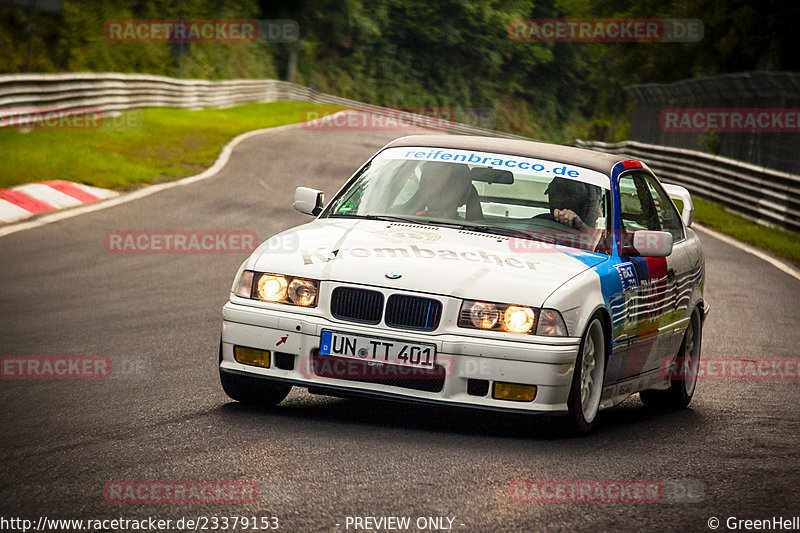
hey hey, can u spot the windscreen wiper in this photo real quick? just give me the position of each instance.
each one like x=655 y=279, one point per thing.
x=510 y=232
x=393 y=218
x=383 y=218
x=480 y=228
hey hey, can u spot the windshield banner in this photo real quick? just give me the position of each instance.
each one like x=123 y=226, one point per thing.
x=516 y=164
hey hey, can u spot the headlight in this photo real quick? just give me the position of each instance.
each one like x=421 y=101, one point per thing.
x=495 y=316
x=277 y=288
x=303 y=292
x=483 y=315
x=518 y=319
x=271 y=288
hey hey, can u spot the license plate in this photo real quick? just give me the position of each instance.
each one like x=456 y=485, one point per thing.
x=377 y=349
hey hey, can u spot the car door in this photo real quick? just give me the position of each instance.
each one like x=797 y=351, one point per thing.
x=654 y=322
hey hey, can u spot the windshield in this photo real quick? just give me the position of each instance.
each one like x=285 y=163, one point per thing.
x=497 y=193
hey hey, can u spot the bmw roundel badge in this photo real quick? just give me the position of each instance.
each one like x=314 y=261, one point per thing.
x=393 y=275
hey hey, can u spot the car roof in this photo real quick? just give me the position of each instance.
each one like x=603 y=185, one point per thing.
x=581 y=157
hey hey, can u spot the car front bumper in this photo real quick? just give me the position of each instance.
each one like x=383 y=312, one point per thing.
x=295 y=338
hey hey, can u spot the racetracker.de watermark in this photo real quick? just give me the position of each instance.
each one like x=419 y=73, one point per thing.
x=55 y=367
x=606 y=30
x=403 y=119
x=80 y=367
x=644 y=242
x=606 y=491
x=695 y=120
x=370 y=366
x=85 y=118
x=532 y=241
x=180 y=242
x=732 y=369
x=180 y=492
x=201 y=31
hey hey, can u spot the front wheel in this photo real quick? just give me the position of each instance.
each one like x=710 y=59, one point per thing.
x=253 y=391
x=687 y=362
x=587 y=380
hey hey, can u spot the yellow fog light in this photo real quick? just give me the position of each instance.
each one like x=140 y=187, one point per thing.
x=251 y=356
x=518 y=319
x=272 y=288
x=514 y=392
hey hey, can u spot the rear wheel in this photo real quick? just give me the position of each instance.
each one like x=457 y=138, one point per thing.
x=683 y=385
x=587 y=380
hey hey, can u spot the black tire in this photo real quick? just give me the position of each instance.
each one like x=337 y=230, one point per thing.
x=253 y=391
x=681 y=389
x=582 y=413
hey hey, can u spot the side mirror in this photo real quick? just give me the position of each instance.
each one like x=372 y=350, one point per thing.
x=647 y=243
x=676 y=192
x=308 y=201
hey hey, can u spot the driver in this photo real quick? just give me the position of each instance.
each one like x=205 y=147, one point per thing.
x=573 y=203
x=443 y=189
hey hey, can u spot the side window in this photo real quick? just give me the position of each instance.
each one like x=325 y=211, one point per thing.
x=667 y=212
x=644 y=205
x=636 y=204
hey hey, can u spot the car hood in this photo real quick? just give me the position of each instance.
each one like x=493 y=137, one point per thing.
x=431 y=259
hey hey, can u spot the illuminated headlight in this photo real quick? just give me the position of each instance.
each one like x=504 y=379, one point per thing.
x=511 y=318
x=495 y=316
x=302 y=292
x=277 y=288
x=551 y=324
x=271 y=288
x=518 y=319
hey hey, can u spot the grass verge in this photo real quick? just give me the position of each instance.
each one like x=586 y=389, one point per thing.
x=785 y=244
x=163 y=144
x=144 y=146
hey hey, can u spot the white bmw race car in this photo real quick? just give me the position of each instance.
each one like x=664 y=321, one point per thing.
x=477 y=272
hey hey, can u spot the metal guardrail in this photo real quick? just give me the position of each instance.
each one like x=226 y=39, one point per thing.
x=771 y=148
x=770 y=197
x=107 y=93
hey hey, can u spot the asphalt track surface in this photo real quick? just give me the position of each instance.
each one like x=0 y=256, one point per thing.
x=316 y=459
